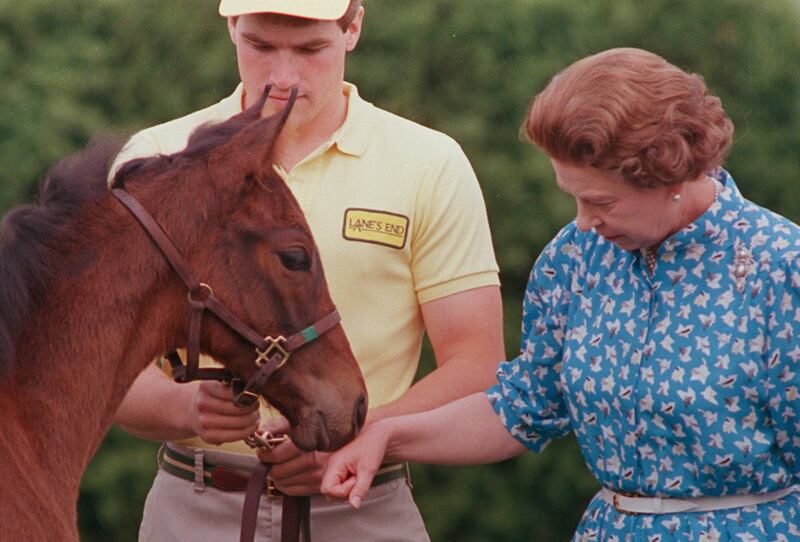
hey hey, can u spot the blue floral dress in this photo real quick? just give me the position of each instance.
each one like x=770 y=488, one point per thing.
x=680 y=382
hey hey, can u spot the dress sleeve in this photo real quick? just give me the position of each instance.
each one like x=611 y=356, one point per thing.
x=783 y=363
x=528 y=397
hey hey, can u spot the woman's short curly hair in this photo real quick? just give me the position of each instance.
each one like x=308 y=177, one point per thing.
x=631 y=112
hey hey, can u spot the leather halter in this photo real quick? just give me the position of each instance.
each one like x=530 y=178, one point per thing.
x=271 y=353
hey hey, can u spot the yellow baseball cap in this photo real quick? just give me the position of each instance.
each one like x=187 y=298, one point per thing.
x=324 y=10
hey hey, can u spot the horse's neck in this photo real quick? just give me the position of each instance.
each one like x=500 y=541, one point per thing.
x=34 y=504
x=82 y=349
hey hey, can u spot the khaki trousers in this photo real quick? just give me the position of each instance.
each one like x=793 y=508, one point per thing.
x=175 y=511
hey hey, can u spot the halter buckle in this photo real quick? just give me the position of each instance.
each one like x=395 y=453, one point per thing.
x=268 y=440
x=245 y=398
x=201 y=294
x=274 y=347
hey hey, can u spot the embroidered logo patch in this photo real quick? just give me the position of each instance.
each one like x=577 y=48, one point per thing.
x=379 y=227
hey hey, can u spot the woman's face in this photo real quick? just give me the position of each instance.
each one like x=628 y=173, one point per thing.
x=627 y=215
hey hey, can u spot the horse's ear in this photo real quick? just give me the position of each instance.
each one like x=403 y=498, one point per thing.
x=282 y=115
x=256 y=111
x=259 y=137
x=269 y=127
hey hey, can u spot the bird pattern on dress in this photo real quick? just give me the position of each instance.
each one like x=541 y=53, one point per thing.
x=680 y=382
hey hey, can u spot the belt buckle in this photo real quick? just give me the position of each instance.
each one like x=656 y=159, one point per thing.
x=273 y=493
x=617 y=507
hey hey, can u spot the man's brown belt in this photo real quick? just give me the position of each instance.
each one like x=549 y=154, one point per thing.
x=228 y=479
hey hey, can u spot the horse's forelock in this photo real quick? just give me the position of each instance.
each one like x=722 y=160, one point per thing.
x=31 y=236
x=136 y=165
x=213 y=134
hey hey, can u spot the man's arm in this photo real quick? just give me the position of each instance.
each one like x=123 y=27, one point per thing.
x=466 y=333
x=157 y=408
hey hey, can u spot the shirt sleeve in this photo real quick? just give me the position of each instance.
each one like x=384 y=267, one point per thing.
x=528 y=397
x=783 y=363
x=451 y=244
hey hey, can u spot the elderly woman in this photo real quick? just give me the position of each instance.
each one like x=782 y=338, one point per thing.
x=661 y=326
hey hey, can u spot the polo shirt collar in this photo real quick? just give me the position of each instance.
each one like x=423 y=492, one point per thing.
x=352 y=137
x=233 y=104
x=356 y=131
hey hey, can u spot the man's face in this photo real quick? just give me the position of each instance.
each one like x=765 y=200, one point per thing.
x=309 y=57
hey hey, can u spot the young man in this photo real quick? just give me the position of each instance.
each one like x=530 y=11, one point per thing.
x=347 y=163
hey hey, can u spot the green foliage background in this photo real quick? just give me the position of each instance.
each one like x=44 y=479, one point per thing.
x=466 y=67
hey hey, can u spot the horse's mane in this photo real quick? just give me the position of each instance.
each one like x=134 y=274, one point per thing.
x=201 y=140
x=31 y=235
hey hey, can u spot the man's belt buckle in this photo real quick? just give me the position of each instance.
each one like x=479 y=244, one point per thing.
x=272 y=492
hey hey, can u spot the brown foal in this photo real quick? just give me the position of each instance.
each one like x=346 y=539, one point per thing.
x=87 y=301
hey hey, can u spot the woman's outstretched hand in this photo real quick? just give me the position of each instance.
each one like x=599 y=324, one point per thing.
x=350 y=471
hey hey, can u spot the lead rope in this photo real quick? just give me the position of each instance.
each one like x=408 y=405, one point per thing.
x=295 y=511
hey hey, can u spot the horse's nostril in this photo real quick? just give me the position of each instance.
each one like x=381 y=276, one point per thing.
x=361 y=411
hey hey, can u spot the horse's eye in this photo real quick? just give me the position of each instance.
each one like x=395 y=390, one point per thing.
x=295 y=259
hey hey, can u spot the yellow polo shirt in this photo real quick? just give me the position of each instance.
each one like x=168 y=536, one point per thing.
x=399 y=220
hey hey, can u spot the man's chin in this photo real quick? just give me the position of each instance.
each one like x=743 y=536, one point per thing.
x=274 y=105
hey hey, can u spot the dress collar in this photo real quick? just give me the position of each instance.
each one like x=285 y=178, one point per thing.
x=710 y=227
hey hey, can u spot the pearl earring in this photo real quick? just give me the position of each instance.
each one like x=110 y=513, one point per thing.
x=676 y=198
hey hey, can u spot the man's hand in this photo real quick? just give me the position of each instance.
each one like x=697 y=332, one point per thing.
x=294 y=471
x=158 y=408
x=214 y=417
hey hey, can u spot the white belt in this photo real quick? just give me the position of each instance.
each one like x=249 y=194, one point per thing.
x=669 y=505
